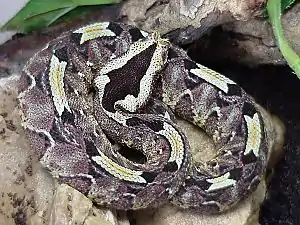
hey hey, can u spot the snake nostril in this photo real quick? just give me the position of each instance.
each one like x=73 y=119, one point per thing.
x=213 y=163
x=133 y=155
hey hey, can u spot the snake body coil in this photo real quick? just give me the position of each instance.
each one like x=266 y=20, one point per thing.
x=108 y=86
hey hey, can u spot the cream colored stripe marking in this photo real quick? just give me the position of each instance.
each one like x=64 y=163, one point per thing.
x=220 y=182
x=94 y=31
x=176 y=142
x=254 y=135
x=117 y=170
x=56 y=78
x=212 y=77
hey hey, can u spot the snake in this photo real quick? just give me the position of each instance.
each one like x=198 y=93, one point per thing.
x=100 y=92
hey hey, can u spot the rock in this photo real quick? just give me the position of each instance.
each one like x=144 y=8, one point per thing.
x=188 y=18
x=72 y=207
x=102 y=217
x=69 y=207
x=258 y=45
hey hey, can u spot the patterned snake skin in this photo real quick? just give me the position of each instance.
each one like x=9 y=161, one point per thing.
x=109 y=87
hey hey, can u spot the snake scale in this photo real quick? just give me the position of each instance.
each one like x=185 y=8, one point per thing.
x=109 y=86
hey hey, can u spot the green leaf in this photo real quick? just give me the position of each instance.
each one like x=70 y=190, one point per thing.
x=285 y=4
x=274 y=9
x=40 y=13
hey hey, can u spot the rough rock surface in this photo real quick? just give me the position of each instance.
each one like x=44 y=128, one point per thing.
x=71 y=207
x=253 y=40
x=193 y=16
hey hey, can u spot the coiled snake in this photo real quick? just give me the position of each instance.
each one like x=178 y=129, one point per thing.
x=107 y=85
